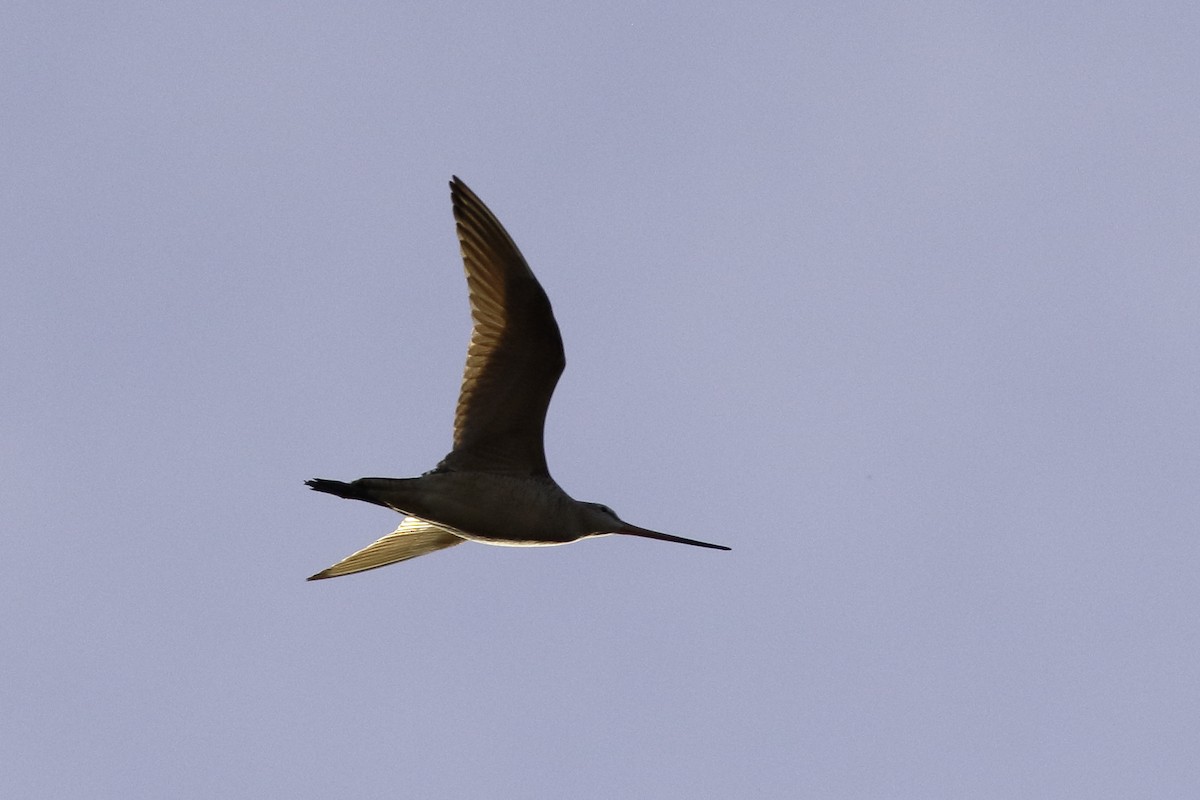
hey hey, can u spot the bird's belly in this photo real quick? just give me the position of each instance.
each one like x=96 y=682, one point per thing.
x=509 y=542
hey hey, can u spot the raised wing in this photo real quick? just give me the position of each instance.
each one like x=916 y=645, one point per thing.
x=415 y=537
x=515 y=356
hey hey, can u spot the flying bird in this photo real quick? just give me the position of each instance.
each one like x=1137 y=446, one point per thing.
x=494 y=486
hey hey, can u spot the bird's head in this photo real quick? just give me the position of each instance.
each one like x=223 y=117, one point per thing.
x=602 y=520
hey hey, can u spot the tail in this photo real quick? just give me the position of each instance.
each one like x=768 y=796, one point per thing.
x=386 y=492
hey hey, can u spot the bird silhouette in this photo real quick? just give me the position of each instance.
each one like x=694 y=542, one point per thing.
x=494 y=486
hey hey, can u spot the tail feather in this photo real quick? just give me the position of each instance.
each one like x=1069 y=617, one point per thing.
x=345 y=490
x=380 y=491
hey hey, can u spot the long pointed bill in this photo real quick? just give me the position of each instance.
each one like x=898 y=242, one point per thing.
x=634 y=530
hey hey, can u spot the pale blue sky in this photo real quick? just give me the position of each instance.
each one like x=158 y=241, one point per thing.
x=902 y=302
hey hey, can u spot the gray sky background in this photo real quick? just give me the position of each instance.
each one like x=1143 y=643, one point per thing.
x=900 y=302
